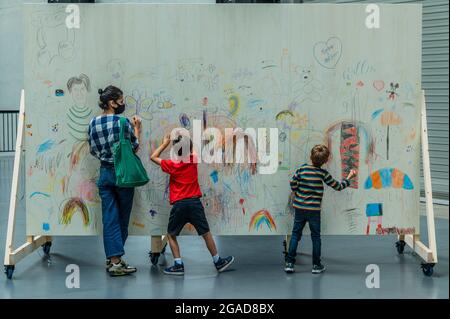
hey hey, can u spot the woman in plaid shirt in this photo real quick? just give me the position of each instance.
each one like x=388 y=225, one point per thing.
x=117 y=202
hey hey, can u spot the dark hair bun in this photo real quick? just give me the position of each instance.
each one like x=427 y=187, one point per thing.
x=100 y=91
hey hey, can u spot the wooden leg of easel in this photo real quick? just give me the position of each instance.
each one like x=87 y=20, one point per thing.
x=423 y=251
x=13 y=256
x=428 y=254
x=427 y=181
x=14 y=185
x=158 y=243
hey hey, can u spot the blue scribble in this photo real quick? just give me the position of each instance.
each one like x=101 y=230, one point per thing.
x=166 y=190
x=46 y=146
x=255 y=102
x=153 y=212
x=374 y=209
x=214 y=176
x=386 y=177
x=227 y=187
x=46 y=226
x=407 y=183
x=368 y=184
x=376 y=113
x=39 y=193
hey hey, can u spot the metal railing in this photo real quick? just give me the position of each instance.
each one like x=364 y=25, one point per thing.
x=8 y=130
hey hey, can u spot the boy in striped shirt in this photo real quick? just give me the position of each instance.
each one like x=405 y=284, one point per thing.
x=307 y=188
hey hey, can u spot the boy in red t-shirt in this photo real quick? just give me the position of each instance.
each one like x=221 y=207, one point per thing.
x=185 y=196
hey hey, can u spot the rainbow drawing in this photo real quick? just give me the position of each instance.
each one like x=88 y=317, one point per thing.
x=260 y=217
x=387 y=178
x=71 y=206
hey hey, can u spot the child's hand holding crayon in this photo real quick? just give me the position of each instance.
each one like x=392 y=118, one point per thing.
x=351 y=174
x=166 y=139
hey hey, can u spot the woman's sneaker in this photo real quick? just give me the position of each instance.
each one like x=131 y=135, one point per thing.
x=126 y=268
x=176 y=269
x=223 y=263
x=317 y=269
x=289 y=268
x=117 y=270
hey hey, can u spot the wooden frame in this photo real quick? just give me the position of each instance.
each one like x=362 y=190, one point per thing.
x=427 y=253
x=158 y=243
x=13 y=256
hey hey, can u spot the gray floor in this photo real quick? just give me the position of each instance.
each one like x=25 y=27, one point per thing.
x=257 y=272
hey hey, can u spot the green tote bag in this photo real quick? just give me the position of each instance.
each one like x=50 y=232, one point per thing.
x=129 y=169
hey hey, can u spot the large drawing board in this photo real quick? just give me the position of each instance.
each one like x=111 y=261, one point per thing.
x=314 y=72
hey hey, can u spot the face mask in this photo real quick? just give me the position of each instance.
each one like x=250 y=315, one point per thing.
x=120 y=109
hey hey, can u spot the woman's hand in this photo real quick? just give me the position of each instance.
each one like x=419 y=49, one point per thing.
x=137 y=122
x=137 y=127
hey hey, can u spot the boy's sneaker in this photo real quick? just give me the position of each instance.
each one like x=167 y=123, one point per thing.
x=223 y=263
x=289 y=268
x=176 y=269
x=317 y=269
x=126 y=268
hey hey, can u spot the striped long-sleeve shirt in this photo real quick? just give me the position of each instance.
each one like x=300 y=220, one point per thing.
x=307 y=184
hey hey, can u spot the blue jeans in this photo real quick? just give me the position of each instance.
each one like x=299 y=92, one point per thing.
x=117 y=203
x=313 y=219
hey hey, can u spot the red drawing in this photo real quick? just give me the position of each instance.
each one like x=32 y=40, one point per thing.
x=241 y=202
x=349 y=151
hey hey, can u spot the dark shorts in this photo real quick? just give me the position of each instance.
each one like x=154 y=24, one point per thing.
x=189 y=210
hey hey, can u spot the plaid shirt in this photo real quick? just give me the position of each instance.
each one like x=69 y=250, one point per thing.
x=104 y=132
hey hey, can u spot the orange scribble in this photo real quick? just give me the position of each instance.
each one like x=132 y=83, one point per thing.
x=376 y=180
x=138 y=224
x=397 y=178
x=390 y=118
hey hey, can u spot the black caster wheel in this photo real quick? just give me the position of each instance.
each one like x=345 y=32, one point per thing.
x=427 y=269
x=9 y=270
x=400 y=245
x=46 y=247
x=154 y=257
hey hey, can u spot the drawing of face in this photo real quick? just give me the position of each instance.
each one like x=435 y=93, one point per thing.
x=79 y=94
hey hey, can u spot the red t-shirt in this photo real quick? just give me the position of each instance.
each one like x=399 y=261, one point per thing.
x=183 y=181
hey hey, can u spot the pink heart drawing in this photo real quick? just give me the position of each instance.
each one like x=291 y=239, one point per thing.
x=378 y=85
